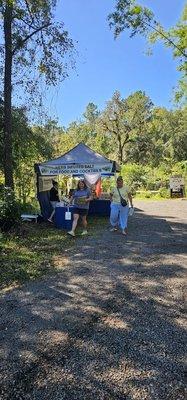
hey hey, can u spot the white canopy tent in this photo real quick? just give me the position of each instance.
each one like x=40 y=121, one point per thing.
x=78 y=161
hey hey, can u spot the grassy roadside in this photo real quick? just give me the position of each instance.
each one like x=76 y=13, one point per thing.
x=151 y=196
x=37 y=250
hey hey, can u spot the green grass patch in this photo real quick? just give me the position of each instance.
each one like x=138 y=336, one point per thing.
x=155 y=196
x=148 y=196
x=30 y=254
x=38 y=249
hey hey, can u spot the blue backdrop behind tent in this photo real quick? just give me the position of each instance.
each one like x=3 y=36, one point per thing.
x=78 y=161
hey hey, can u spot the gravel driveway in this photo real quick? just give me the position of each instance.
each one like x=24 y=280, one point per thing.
x=111 y=324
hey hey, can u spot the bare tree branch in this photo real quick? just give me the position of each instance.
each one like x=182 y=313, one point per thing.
x=166 y=37
x=21 y=42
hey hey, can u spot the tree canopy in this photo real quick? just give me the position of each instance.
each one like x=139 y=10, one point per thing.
x=35 y=46
x=129 y=15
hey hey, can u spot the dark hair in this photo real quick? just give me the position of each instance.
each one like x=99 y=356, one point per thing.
x=119 y=178
x=81 y=180
x=54 y=182
x=71 y=192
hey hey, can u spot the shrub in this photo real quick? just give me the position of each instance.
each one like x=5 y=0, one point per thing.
x=134 y=175
x=147 y=194
x=30 y=208
x=9 y=209
x=163 y=192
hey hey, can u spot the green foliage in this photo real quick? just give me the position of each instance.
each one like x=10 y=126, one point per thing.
x=168 y=136
x=153 y=142
x=179 y=168
x=34 y=27
x=140 y=20
x=125 y=122
x=130 y=15
x=113 y=123
x=29 y=254
x=9 y=209
x=148 y=195
x=164 y=192
x=30 y=145
x=144 y=180
x=134 y=175
x=34 y=47
x=137 y=19
x=176 y=37
x=91 y=114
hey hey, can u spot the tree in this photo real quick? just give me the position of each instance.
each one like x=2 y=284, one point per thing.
x=126 y=120
x=91 y=114
x=113 y=122
x=138 y=19
x=29 y=26
x=169 y=136
x=178 y=36
x=29 y=145
x=139 y=116
x=179 y=135
x=129 y=15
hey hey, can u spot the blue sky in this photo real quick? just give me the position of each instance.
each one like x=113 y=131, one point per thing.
x=104 y=65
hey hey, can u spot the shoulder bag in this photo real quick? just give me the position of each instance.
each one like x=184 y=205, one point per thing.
x=123 y=201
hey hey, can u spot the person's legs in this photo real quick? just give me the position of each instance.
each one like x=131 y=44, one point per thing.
x=85 y=223
x=51 y=216
x=74 y=225
x=53 y=204
x=114 y=215
x=123 y=218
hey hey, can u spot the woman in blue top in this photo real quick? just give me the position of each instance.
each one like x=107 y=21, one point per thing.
x=81 y=199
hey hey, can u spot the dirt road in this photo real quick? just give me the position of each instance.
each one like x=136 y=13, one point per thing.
x=111 y=324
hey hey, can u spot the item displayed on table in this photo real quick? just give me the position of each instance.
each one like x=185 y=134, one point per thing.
x=60 y=204
x=80 y=200
x=65 y=200
x=104 y=196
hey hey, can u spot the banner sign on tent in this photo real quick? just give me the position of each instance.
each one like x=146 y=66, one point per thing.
x=45 y=183
x=78 y=169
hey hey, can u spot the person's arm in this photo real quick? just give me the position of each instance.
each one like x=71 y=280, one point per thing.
x=71 y=200
x=111 y=194
x=57 y=194
x=130 y=199
x=89 y=198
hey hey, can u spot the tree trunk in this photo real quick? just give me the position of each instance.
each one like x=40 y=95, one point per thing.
x=8 y=156
x=120 y=150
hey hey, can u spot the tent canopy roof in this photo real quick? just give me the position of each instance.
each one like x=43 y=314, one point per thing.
x=79 y=154
x=78 y=161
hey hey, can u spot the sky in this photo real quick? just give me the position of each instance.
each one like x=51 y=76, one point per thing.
x=104 y=65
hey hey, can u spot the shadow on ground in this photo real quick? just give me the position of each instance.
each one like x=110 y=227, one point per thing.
x=110 y=326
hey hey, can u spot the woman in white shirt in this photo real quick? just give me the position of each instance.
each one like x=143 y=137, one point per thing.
x=120 y=199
